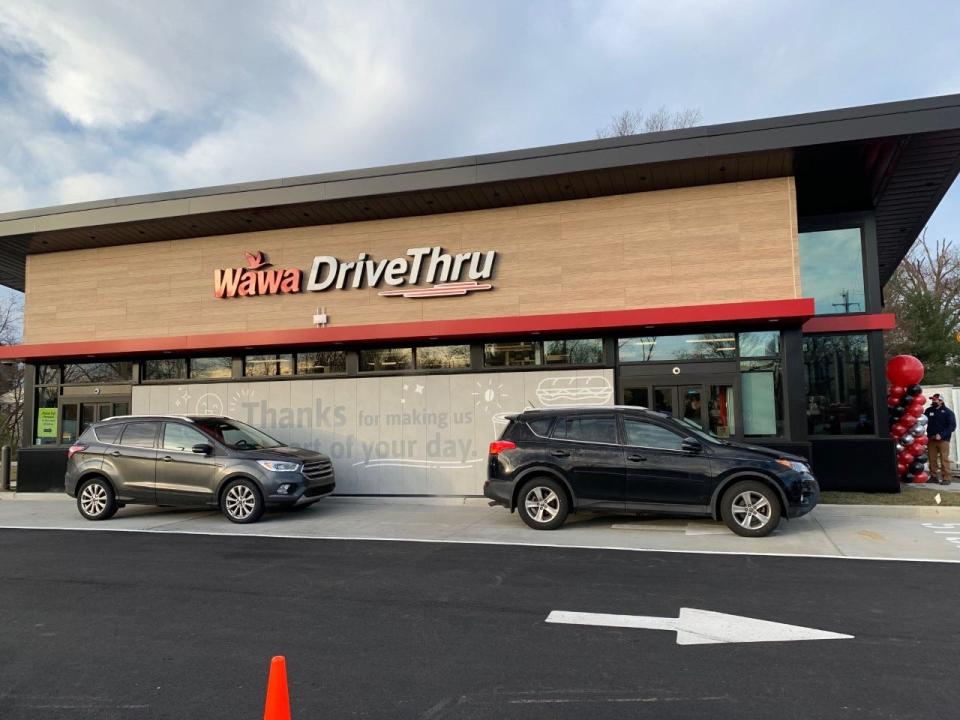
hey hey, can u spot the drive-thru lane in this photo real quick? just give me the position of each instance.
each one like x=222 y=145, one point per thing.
x=118 y=625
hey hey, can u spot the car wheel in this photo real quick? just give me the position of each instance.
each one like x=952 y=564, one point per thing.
x=96 y=500
x=751 y=509
x=241 y=502
x=543 y=504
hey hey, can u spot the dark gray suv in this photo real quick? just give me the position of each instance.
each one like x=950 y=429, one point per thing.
x=191 y=460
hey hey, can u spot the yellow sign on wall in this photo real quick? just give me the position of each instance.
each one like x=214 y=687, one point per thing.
x=47 y=422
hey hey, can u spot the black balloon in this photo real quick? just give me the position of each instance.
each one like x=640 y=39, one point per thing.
x=909 y=477
x=905 y=400
x=916 y=466
x=914 y=390
x=922 y=459
x=898 y=411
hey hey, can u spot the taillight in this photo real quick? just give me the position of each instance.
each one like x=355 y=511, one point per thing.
x=74 y=449
x=498 y=446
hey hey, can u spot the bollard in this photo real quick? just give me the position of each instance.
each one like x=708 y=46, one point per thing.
x=5 y=468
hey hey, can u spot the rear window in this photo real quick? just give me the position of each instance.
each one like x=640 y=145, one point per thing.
x=107 y=433
x=541 y=426
x=589 y=428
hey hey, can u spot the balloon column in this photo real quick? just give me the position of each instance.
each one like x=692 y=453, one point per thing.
x=908 y=424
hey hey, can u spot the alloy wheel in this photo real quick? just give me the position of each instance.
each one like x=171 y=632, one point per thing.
x=93 y=498
x=751 y=510
x=240 y=502
x=542 y=504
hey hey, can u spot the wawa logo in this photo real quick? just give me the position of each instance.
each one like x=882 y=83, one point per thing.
x=257 y=278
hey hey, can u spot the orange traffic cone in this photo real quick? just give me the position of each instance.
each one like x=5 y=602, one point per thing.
x=277 y=706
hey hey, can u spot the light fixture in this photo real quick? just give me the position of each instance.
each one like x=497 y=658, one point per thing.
x=712 y=340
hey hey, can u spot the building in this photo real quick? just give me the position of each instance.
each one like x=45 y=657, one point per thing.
x=393 y=317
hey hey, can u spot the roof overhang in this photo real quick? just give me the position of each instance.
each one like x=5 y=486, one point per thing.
x=898 y=159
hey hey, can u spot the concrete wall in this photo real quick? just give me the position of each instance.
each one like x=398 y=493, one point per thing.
x=406 y=435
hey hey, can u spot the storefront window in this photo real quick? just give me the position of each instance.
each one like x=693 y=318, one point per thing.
x=445 y=356
x=267 y=365
x=48 y=425
x=48 y=374
x=761 y=385
x=760 y=344
x=573 y=352
x=323 y=362
x=386 y=360
x=100 y=372
x=705 y=346
x=839 y=397
x=831 y=270
x=69 y=423
x=165 y=369
x=720 y=413
x=511 y=354
x=211 y=368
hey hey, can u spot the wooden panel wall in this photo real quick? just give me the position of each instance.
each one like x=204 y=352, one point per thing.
x=712 y=244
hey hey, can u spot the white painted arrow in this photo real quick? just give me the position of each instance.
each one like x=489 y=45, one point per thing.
x=701 y=627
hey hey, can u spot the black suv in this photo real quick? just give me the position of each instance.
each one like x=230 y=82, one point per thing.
x=548 y=463
x=191 y=460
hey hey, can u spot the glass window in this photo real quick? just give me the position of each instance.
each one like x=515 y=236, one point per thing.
x=120 y=409
x=99 y=372
x=720 y=413
x=573 y=352
x=182 y=438
x=645 y=434
x=165 y=369
x=69 y=423
x=386 y=359
x=267 y=365
x=237 y=435
x=541 y=426
x=323 y=362
x=109 y=433
x=48 y=425
x=139 y=434
x=444 y=356
x=760 y=344
x=211 y=368
x=48 y=374
x=761 y=385
x=588 y=428
x=704 y=346
x=839 y=398
x=831 y=270
x=511 y=354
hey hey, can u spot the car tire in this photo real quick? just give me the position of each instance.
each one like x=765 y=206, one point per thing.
x=96 y=499
x=751 y=509
x=241 y=501
x=543 y=504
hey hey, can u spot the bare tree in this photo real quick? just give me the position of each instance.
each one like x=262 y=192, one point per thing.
x=924 y=292
x=634 y=122
x=11 y=376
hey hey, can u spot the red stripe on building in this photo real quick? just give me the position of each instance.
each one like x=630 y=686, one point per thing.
x=850 y=323
x=626 y=320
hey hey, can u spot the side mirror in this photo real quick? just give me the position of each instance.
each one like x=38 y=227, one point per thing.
x=691 y=445
x=202 y=449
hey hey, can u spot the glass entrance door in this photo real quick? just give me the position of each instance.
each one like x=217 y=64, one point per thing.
x=709 y=405
x=77 y=416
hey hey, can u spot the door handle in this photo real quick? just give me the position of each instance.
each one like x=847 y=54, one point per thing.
x=636 y=458
x=167 y=458
x=560 y=453
x=115 y=453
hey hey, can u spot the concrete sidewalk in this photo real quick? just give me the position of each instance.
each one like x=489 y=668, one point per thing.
x=861 y=531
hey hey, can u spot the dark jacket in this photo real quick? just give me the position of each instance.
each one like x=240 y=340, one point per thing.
x=940 y=421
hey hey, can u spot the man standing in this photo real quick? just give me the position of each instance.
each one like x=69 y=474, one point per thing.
x=941 y=424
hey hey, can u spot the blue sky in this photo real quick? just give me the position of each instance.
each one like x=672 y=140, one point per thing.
x=102 y=99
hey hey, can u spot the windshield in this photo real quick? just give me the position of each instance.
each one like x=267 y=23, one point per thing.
x=700 y=432
x=236 y=435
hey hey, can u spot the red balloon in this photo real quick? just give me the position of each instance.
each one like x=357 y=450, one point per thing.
x=908 y=420
x=898 y=391
x=906 y=457
x=892 y=401
x=902 y=468
x=921 y=440
x=904 y=370
x=917 y=448
x=920 y=399
x=921 y=477
x=897 y=430
x=915 y=411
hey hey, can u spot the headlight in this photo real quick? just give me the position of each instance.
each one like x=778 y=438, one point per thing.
x=795 y=466
x=278 y=465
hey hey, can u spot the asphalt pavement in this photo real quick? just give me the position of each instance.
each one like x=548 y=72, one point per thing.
x=164 y=625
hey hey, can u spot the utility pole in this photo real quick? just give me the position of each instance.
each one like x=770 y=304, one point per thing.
x=846 y=304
